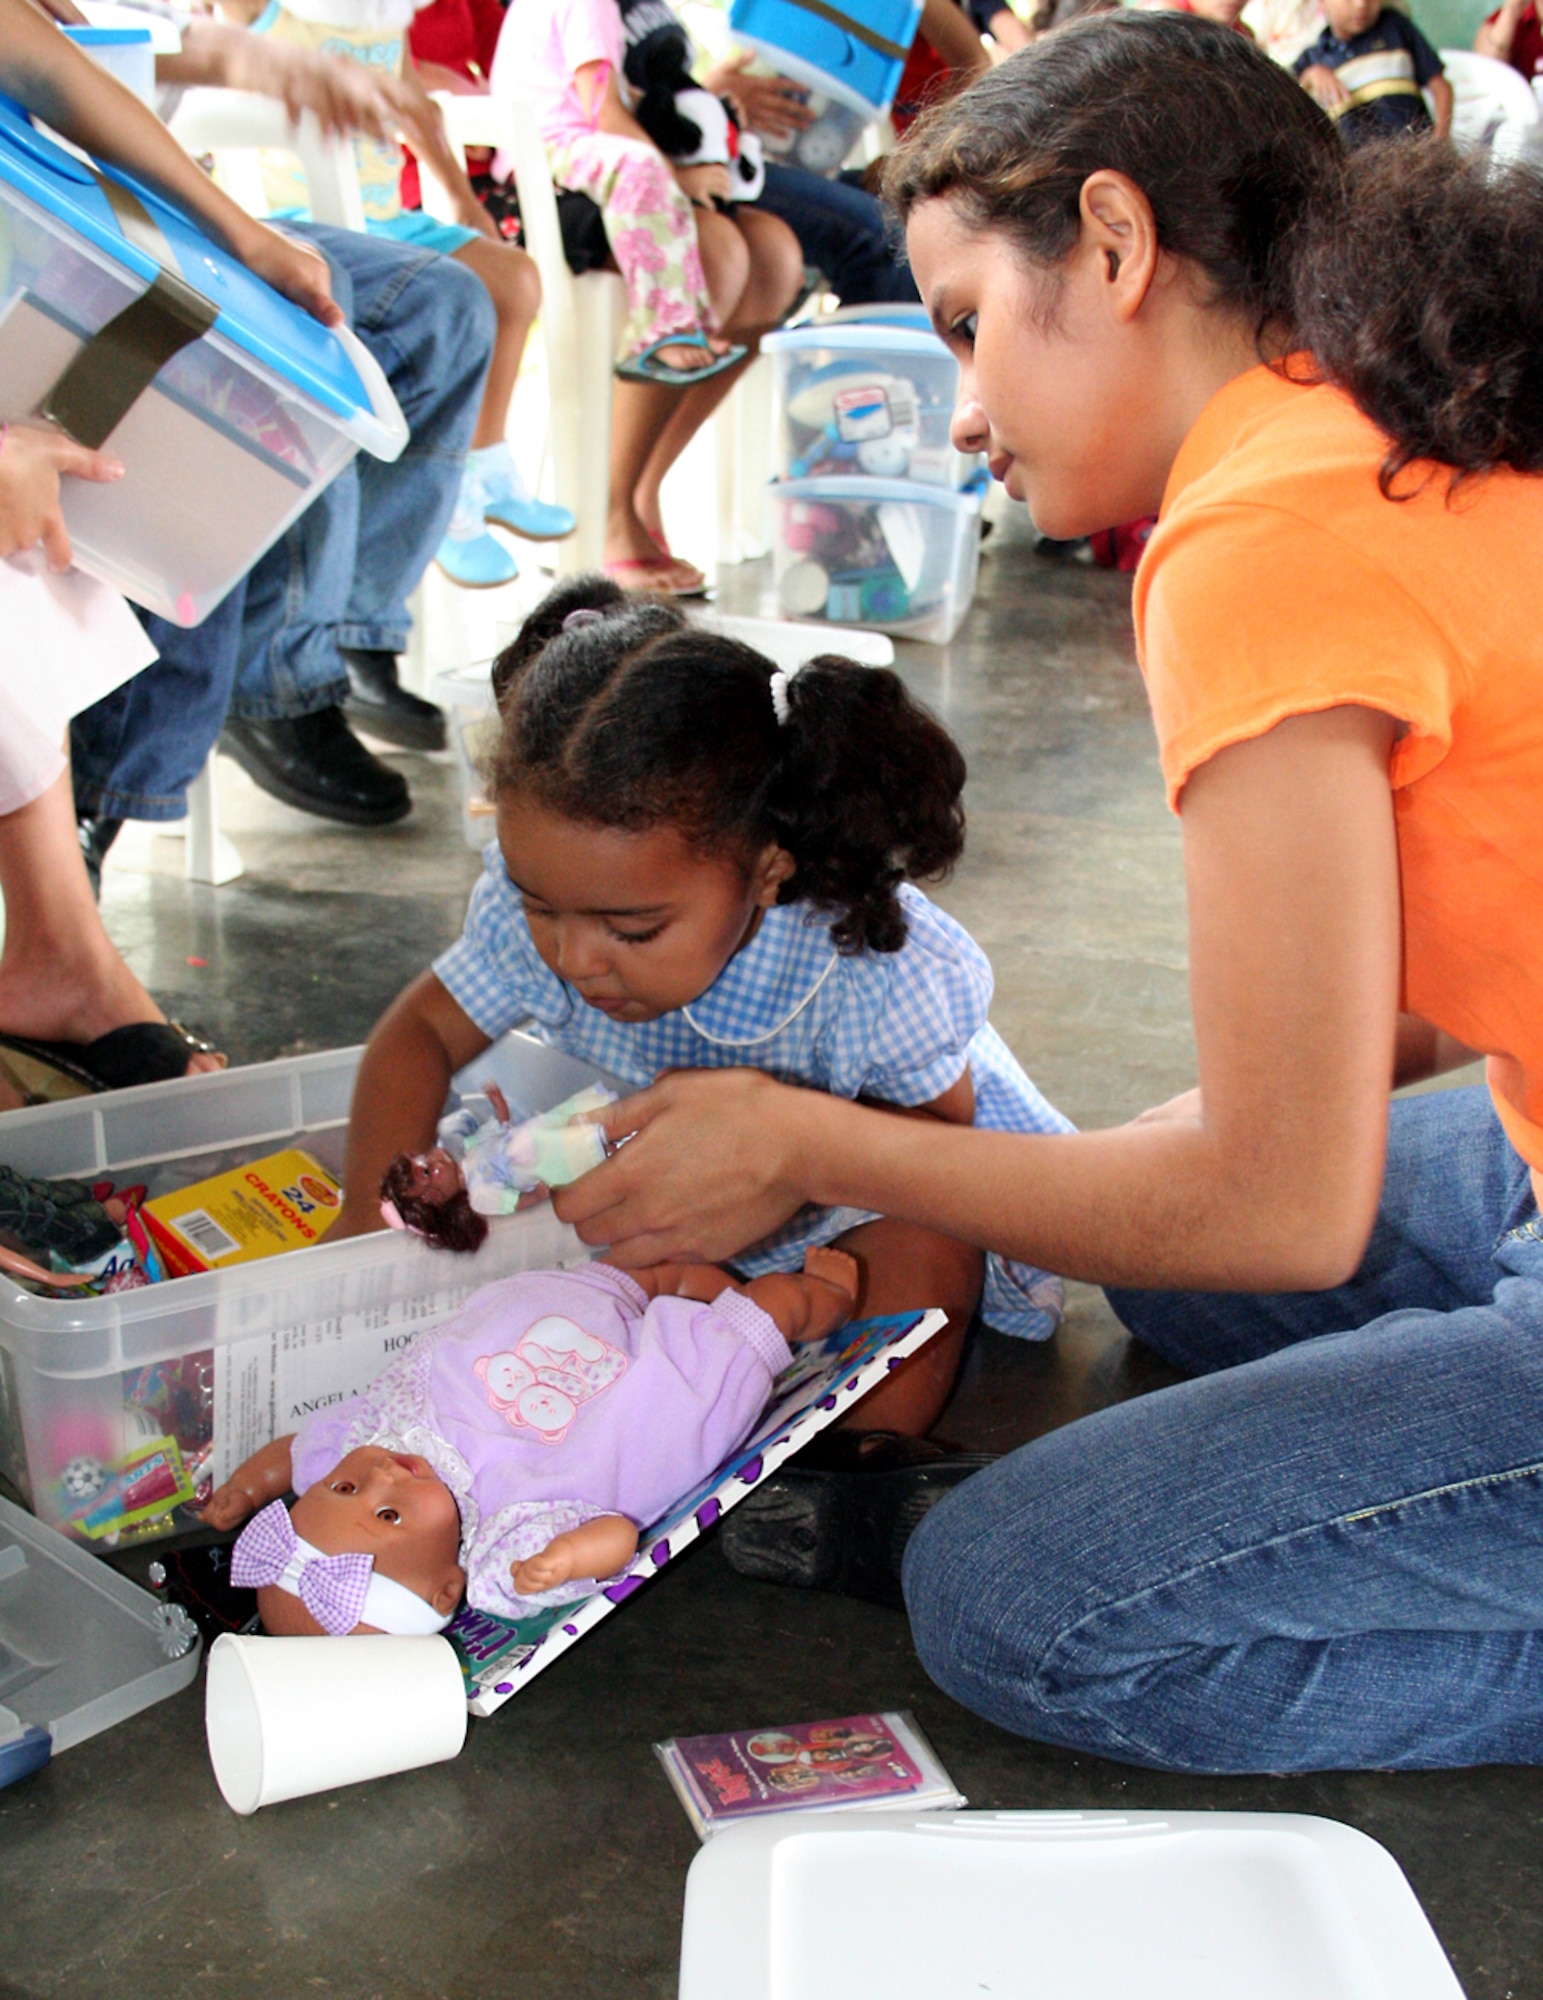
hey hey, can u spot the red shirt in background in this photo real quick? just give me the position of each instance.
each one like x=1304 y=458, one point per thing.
x=1527 y=43
x=459 y=35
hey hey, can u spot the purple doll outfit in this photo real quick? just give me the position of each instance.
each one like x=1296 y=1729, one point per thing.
x=554 y=1397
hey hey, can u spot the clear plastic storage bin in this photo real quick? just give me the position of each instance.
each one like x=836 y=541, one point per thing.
x=873 y=398
x=225 y=441
x=853 y=52
x=227 y=1360
x=880 y=552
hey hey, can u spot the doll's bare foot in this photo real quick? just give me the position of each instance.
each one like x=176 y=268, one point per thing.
x=805 y=1305
x=835 y=1267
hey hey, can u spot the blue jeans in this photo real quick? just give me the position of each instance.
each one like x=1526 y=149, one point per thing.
x=843 y=231
x=342 y=573
x=1326 y=1552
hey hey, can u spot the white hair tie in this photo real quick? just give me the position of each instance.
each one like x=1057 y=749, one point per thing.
x=781 y=685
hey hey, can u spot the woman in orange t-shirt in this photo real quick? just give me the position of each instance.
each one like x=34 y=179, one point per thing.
x=1327 y=1548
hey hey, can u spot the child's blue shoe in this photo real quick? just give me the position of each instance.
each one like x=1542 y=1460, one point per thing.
x=507 y=500
x=476 y=562
x=523 y=514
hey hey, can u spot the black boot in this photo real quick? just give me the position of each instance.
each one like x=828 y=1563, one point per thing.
x=378 y=704
x=316 y=763
x=97 y=833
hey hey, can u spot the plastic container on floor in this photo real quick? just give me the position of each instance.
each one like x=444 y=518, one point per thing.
x=853 y=51
x=1023 y=1905
x=866 y=398
x=229 y=407
x=81 y=1648
x=876 y=552
x=227 y=1360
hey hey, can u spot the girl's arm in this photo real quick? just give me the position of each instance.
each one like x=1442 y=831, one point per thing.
x=1495 y=38
x=414 y=1049
x=267 y=1475
x=1292 y=873
x=955 y=37
x=700 y=183
x=42 y=69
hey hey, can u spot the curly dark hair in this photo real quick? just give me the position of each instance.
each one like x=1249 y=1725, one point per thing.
x=634 y=718
x=1412 y=276
x=449 y=1225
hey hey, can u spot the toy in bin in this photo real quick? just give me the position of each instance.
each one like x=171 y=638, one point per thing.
x=861 y=551
x=229 y=407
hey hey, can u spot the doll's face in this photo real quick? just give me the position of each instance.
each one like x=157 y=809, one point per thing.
x=639 y=923
x=394 y=1507
x=434 y=1176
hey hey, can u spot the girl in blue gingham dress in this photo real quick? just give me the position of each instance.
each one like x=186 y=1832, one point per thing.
x=701 y=862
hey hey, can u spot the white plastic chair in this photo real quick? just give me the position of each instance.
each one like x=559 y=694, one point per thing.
x=232 y=125
x=580 y=316
x=1494 y=109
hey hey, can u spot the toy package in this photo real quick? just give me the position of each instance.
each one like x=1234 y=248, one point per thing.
x=285 y=1201
x=856 y=1760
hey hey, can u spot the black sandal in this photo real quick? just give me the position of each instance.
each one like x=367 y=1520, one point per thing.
x=142 y=1052
x=839 y=1515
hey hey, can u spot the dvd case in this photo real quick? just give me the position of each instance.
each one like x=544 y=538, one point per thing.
x=853 y=1760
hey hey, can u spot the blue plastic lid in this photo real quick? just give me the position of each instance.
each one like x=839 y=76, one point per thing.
x=252 y=316
x=108 y=38
x=856 y=488
x=858 y=337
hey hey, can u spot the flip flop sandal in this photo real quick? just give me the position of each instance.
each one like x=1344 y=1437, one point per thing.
x=141 y=1052
x=838 y=1516
x=652 y=573
x=645 y=367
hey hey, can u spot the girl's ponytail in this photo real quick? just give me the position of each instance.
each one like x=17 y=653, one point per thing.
x=867 y=795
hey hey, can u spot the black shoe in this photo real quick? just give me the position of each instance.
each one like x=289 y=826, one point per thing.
x=316 y=762
x=838 y=1516
x=97 y=833
x=378 y=704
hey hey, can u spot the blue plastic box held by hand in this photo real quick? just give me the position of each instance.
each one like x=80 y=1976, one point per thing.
x=853 y=50
x=229 y=407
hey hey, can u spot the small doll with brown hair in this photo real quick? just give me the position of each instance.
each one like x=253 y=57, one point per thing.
x=491 y=1165
x=515 y=1452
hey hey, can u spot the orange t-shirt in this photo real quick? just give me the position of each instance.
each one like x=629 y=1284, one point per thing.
x=1279 y=581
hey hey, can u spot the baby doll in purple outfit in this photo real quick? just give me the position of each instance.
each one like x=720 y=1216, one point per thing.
x=514 y=1453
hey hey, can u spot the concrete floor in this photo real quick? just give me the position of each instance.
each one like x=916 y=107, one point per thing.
x=548 y=1862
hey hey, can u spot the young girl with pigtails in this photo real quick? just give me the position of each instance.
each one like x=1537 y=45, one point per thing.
x=704 y=862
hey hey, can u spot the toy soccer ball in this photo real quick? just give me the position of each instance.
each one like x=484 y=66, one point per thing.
x=82 y=1478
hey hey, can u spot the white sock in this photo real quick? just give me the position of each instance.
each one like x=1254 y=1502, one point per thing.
x=495 y=463
x=466 y=522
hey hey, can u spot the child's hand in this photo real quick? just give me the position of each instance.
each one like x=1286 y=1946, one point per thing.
x=33 y=459
x=704 y=184
x=1325 y=86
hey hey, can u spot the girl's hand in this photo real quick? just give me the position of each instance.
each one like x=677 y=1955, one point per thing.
x=766 y=104
x=713 y=1164
x=291 y=267
x=704 y=184
x=33 y=459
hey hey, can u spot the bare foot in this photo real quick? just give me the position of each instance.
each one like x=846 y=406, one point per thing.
x=89 y=996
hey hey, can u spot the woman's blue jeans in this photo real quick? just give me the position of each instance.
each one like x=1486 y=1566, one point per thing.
x=1324 y=1552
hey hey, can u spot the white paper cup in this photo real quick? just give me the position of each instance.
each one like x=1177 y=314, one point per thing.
x=286 y=1717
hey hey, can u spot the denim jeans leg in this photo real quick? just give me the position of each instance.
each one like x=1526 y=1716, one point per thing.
x=134 y=753
x=1329 y=1556
x=844 y=232
x=430 y=324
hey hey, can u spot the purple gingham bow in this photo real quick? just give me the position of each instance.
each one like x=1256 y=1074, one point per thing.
x=332 y=1588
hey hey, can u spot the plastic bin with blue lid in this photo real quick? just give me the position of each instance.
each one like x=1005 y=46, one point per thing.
x=852 y=50
x=867 y=398
x=876 y=552
x=129 y=53
x=230 y=407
